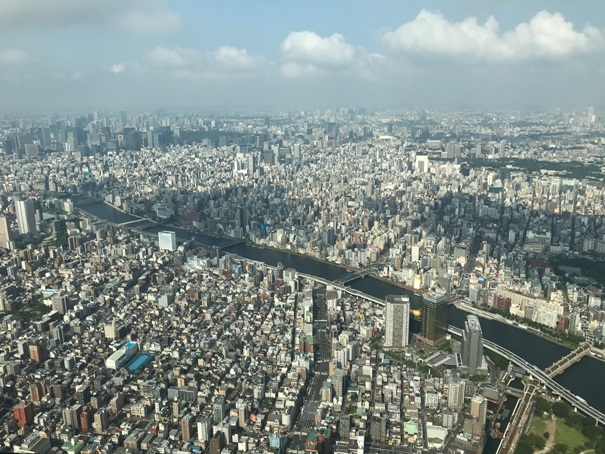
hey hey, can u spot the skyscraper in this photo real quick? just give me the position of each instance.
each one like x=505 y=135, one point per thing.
x=6 y=234
x=26 y=218
x=591 y=116
x=397 y=321
x=167 y=240
x=434 y=319
x=472 y=344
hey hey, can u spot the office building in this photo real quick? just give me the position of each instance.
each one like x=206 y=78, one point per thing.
x=422 y=164
x=24 y=413
x=26 y=216
x=6 y=234
x=38 y=352
x=472 y=345
x=397 y=321
x=167 y=240
x=434 y=319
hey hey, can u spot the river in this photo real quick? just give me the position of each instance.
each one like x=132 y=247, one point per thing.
x=583 y=378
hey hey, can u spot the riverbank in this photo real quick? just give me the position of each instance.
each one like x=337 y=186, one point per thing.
x=498 y=318
x=399 y=284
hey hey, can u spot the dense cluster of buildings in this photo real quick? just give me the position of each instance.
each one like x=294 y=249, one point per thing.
x=113 y=340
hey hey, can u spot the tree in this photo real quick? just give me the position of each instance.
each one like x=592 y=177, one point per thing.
x=524 y=447
x=559 y=449
x=542 y=406
x=546 y=435
x=600 y=447
x=561 y=409
x=591 y=431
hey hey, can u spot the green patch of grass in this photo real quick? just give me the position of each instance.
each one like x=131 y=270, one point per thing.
x=569 y=436
x=538 y=426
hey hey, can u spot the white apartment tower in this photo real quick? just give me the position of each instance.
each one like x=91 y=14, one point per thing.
x=397 y=321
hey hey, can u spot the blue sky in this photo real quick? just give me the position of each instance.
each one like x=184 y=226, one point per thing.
x=117 y=54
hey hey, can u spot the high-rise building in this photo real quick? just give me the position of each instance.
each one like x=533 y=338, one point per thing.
x=345 y=427
x=472 y=344
x=455 y=394
x=479 y=408
x=111 y=329
x=397 y=321
x=101 y=421
x=38 y=352
x=24 y=413
x=86 y=418
x=6 y=234
x=217 y=443
x=218 y=410
x=422 y=164
x=36 y=392
x=187 y=425
x=434 y=319
x=591 y=115
x=26 y=216
x=204 y=429
x=167 y=240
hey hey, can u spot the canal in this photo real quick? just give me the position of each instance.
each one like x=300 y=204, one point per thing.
x=583 y=378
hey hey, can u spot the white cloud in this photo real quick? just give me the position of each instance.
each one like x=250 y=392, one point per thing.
x=118 y=68
x=308 y=53
x=187 y=63
x=546 y=36
x=232 y=57
x=13 y=57
x=136 y=16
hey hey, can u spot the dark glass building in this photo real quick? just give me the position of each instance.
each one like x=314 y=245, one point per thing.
x=434 y=319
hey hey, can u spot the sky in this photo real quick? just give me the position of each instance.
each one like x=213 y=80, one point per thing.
x=58 y=55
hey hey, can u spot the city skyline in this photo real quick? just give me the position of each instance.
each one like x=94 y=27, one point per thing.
x=61 y=55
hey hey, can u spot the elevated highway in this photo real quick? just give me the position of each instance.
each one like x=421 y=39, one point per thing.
x=538 y=374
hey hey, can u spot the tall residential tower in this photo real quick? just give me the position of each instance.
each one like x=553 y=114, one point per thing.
x=472 y=344
x=397 y=321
